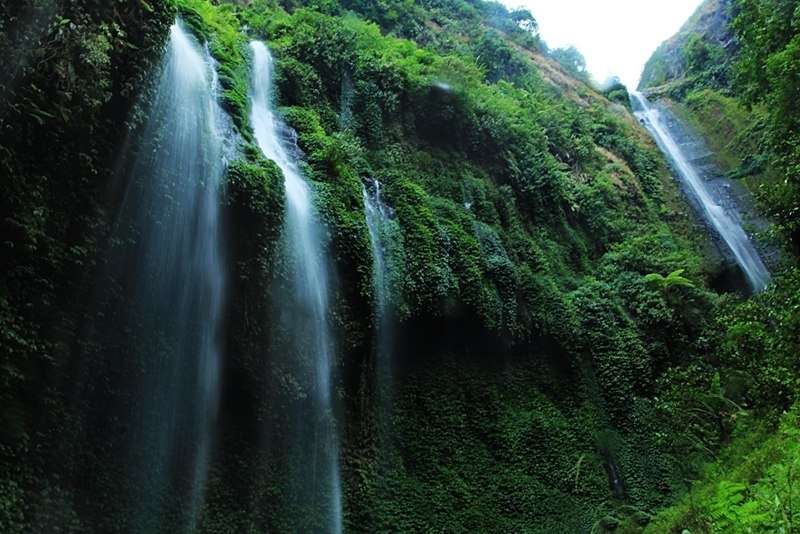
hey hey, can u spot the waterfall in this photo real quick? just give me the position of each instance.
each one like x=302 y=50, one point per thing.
x=161 y=314
x=382 y=233
x=378 y=218
x=316 y=483
x=726 y=222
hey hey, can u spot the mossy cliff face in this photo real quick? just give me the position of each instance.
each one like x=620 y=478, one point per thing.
x=528 y=348
x=699 y=54
x=738 y=91
x=73 y=73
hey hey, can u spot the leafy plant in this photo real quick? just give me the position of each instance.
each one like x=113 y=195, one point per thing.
x=674 y=278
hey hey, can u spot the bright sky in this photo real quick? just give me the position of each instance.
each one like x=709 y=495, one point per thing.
x=616 y=37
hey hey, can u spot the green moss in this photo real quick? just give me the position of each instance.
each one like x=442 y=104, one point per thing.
x=490 y=455
x=219 y=27
x=255 y=206
x=734 y=133
x=256 y=185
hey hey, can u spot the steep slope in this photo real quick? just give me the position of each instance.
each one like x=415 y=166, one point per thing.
x=749 y=122
x=694 y=73
x=699 y=55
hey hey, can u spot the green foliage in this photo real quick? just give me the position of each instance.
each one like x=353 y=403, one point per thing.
x=702 y=56
x=506 y=198
x=339 y=200
x=72 y=73
x=489 y=456
x=616 y=91
x=497 y=58
x=571 y=59
x=76 y=72
x=732 y=416
x=761 y=344
x=753 y=489
x=616 y=135
x=256 y=197
x=527 y=222
x=426 y=277
x=698 y=57
x=672 y=279
x=766 y=72
x=218 y=26
x=729 y=511
x=452 y=20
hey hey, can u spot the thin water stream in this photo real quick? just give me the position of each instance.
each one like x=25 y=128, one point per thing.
x=316 y=484
x=381 y=229
x=724 y=220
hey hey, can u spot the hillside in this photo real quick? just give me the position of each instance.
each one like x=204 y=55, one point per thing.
x=699 y=55
x=397 y=270
x=741 y=102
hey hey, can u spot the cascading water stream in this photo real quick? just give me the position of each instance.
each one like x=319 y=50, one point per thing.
x=378 y=217
x=169 y=272
x=319 y=489
x=728 y=227
x=381 y=229
x=382 y=234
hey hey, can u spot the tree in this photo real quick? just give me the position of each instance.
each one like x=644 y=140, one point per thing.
x=572 y=60
x=524 y=19
x=768 y=72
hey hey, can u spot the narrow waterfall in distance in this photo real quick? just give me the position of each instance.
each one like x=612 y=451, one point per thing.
x=378 y=217
x=314 y=458
x=382 y=239
x=727 y=224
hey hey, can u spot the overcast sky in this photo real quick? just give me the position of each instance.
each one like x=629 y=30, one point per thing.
x=615 y=36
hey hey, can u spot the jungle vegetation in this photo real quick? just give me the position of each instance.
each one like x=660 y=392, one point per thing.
x=562 y=361
x=729 y=73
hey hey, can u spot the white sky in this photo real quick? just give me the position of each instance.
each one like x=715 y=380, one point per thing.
x=616 y=37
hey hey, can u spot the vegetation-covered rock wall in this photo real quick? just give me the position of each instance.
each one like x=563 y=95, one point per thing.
x=553 y=333
x=736 y=88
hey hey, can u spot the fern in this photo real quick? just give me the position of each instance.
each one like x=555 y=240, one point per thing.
x=674 y=278
x=716 y=387
x=732 y=511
